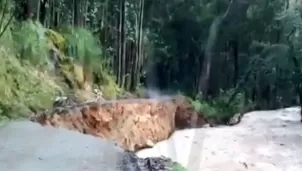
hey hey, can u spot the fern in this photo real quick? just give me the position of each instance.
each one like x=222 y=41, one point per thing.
x=31 y=42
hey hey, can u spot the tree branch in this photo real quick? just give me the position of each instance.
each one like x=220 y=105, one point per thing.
x=7 y=24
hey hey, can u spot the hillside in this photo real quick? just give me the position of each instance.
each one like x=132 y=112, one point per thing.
x=138 y=72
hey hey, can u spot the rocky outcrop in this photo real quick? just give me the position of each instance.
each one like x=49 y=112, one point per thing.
x=132 y=124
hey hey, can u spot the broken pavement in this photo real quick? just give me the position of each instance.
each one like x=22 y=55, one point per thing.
x=132 y=124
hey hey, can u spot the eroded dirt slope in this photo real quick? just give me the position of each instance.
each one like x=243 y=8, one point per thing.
x=132 y=124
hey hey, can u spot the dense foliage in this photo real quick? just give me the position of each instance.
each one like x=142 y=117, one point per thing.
x=228 y=54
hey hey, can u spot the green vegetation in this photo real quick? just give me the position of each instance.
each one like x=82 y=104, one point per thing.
x=30 y=78
x=222 y=108
x=178 y=167
x=23 y=84
x=228 y=56
x=230 y=59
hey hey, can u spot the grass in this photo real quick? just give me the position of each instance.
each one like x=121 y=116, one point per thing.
x=21 y=86
x=27 y=77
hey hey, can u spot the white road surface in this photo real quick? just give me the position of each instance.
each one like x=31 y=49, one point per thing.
x=262 y=141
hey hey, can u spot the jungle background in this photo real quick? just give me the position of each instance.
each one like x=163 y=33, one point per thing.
x=226 y=55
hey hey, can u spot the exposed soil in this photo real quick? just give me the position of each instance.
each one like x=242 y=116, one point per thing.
x=132 y=124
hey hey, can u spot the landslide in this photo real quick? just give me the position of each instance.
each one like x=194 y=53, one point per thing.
x=131 y=124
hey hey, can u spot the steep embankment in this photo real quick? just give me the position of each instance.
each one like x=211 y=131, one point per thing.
x=132 y=124
x=23 y=86
x=264 y=140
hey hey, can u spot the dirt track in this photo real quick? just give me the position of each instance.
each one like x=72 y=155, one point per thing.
x=263 y=141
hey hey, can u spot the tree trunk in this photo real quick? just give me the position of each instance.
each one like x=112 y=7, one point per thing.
x=206 y=65
x=27 y=9
x=38 y=10
x=236 y=68
x=139 y=45
x=120 y=42
x=75 y=13
x=42 y=14
x=123 y=55
x=297 y=77
x=56 y=20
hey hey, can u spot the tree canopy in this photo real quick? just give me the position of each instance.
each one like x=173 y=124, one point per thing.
x=200 y=47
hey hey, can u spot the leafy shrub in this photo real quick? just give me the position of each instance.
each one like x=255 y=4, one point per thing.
x=109 y=87
x=56 y=39
x=84 y=48
x=221 y=108
x=22 y=86
x=31 y=42
x=82 y=45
